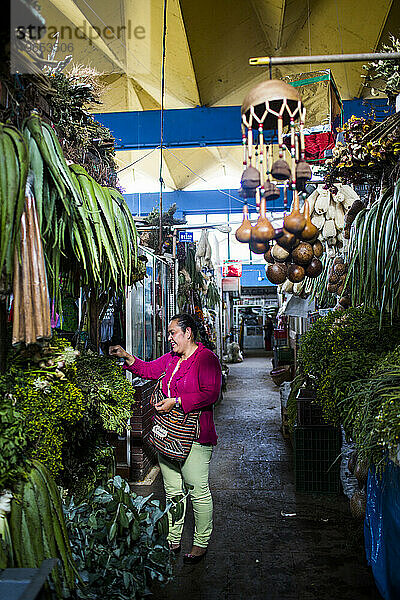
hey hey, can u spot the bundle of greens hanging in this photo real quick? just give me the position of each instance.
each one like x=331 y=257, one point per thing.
x=88 y=233
x=31 y=322
x=13 y=174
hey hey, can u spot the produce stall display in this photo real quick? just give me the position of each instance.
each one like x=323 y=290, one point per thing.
x=66 y=232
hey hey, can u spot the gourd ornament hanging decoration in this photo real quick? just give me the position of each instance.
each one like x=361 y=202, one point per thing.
x=295 y=254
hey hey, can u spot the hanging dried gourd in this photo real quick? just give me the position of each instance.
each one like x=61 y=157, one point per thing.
x=303 y=253
x=287 y=240
x=314 y=268
x=251 y=178
x=318 y=249
x=262 y=231
x=274 y=105
x=280 y=254
x=310 y=232
x=277 y=273
x=268 y=256
x=296 y=273
x=295 y=221
x=258 y=247
x=243 y=233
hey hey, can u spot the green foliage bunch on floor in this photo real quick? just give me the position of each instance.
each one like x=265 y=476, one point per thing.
x=119 y=542
x=342 y=348
x=13 y=440
x=371 y=411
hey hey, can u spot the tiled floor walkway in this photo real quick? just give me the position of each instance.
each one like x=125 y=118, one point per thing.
x=255 y=552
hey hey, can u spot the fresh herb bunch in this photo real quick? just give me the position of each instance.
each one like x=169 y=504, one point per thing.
x=48 y=409
x=58 y=407
x=151 y=239
x=87 y=457
x=103 y=382
x=342 y=348
x=119 y=543
x=371 y=412
x=42 y=381
x=375 y=250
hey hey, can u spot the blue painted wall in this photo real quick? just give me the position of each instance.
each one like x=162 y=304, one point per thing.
x=201 y=126
x=376 y=108
x=185 y=127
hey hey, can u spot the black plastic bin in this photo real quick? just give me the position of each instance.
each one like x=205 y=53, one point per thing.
x=308 y=411
x=317 y=459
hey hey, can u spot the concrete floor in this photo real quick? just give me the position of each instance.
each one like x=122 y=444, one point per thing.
x=255 y=553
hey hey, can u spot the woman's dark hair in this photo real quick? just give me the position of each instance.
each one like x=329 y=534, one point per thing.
x=184 y=321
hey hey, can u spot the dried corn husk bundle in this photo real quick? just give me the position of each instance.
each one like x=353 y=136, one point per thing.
x=318 y=220
x=329 y=229
x=286 y=287
x=322 y=203
x=330 y=215
x=203 y=252
x=339 y=217
x=31 y=301
x=312 y=198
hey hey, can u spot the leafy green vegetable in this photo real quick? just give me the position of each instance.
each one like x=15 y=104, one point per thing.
x=371 y=411
x=13 y=438
x=119 y=542
x=342 y=348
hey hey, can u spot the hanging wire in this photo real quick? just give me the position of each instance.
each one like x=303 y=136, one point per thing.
x=309 y=31
x=341 y=46
x=162 y=121
x=138 y=160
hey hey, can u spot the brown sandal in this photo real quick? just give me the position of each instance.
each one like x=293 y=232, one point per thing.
x=194 y=558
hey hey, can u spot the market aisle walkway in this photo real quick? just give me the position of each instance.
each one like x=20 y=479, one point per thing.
x=255 y=552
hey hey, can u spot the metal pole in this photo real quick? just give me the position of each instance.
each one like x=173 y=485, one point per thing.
x=174 y=243
x=323 y=58
x=160 y=207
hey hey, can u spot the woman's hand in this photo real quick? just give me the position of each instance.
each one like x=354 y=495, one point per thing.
x=119 y=352
x=165 y=406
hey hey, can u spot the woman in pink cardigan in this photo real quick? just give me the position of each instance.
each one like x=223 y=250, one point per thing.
x=192 y=381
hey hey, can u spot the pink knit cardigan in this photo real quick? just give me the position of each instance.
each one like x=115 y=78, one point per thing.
x=197 y=382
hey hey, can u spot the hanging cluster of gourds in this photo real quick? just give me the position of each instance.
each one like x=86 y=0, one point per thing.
x=293 y=250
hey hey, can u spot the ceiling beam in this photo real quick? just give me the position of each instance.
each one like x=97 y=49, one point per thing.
x=280 y=26
x=70 y=10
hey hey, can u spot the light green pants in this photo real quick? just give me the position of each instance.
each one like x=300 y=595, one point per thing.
x=193 y=472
